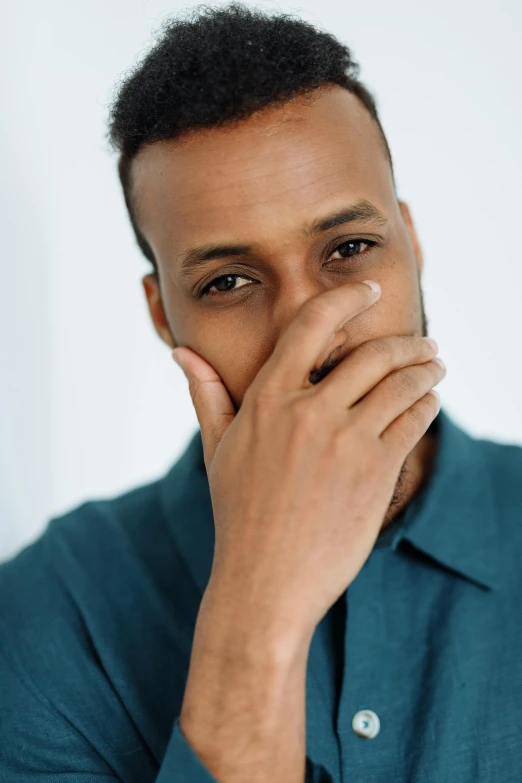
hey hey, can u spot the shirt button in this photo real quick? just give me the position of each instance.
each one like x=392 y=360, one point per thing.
x=366 y=724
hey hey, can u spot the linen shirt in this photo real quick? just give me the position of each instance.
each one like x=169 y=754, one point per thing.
x=97 y=619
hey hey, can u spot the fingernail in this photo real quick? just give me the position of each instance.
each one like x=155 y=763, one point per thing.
x=376 y=288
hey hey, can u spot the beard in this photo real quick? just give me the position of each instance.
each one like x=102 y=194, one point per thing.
x=399 y=494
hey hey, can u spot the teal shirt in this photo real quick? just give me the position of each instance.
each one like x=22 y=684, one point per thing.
x=97 y=619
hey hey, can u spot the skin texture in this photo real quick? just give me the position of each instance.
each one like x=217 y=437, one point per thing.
x=260 y=181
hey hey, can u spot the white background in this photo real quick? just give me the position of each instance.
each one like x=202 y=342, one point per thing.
x=91 y=402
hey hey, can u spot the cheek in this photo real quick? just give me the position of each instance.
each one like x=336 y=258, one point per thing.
x=236 y=350
x=238 y=366
x=235 y=358
x=237 y=347
x=396 y=312
x=400 y=301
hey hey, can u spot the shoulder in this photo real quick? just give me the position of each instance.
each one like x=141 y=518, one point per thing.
x=503 y=464
x=47 y=588
x=500 y=487
x=82 y=539
x=110 y=538
x=96 y=625
x=78 y=600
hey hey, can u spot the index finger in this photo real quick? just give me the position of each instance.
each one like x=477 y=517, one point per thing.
x=309 y=333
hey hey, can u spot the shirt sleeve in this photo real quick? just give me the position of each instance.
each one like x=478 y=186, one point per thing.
x=38 y=745
x=181 y=764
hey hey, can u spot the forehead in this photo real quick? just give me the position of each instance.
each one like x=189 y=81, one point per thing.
x=271 y=172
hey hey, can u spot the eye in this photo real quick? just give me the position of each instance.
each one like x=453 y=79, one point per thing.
x=227 y=281
x=223 y=280
x=353 y=242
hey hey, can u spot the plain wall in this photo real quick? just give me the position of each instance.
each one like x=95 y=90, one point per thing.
x=91 y=402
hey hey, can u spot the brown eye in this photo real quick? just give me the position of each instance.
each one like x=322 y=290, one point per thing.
x=224 y=284
x=351 y=243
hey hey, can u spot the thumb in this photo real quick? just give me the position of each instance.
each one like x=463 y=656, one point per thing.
x=214 y=408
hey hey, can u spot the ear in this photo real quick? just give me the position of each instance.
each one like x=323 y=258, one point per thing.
x=405 y=211
x=152 y=291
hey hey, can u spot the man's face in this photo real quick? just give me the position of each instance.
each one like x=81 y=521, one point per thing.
x=260 y=185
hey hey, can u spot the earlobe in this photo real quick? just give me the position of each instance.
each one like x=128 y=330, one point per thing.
x=152 y=290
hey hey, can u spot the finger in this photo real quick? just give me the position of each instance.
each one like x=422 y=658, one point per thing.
x=214 y=408
x=310 y=332
x=368 y=364
x=395 y=394
x=403 y=434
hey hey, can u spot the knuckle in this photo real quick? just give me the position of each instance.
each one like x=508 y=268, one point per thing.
x=382 y=349
x=353 y=439
x=316 y=312
x=406 y=380
x=419 y=414
x=404 y=434
x=380 y=461
x=415 y=413
x=431 y=402
x=435 y=368
x=261 y=398
x=195 y=387
x=307 y=412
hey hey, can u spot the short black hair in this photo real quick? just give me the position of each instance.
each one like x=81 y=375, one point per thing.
x=219 y=65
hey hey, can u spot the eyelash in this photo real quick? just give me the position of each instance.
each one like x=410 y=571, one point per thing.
x=206 y=293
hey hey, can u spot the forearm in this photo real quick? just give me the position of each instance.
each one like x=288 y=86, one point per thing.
x=244 y=705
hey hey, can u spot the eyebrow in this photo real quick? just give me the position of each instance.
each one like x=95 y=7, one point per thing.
x=360 y=210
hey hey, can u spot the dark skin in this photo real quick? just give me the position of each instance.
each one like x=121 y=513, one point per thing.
x=260 y=182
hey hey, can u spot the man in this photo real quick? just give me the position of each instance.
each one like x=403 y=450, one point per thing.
x=326 y=585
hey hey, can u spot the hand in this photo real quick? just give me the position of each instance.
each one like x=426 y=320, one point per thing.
x=302 y=476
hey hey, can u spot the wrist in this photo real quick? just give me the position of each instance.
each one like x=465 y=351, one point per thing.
x=229 y=624
x=245 y=696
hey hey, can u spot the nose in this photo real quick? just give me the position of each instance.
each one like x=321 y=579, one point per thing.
x=292 y=295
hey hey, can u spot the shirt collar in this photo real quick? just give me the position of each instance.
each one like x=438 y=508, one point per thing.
x=452 y=519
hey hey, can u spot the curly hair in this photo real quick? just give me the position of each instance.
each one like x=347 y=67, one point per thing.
x=219 y=65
